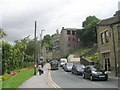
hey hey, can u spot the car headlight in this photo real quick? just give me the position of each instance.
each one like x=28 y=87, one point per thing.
x=94 y=72
x=105 y=72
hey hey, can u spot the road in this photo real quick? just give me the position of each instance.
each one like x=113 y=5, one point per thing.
x=68 y=80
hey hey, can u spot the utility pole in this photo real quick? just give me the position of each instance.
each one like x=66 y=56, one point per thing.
x=35 y=53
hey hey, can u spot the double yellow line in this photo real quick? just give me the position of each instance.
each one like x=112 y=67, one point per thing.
x=51 y=82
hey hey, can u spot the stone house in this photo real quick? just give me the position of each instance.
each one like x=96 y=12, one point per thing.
x=108 y=36
x=68 y=40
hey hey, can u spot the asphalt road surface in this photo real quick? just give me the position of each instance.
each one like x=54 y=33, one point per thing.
x=68 y=80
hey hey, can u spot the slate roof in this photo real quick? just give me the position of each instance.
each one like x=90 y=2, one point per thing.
x=109 y=21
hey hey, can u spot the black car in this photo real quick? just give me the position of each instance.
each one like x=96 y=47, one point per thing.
x=68 y=67
x=78 y=69
x=54 y=65
x=95 y=73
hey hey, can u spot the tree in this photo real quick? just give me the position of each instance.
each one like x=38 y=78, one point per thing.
x=2 y=33
x=6 y=57
x=79 y=34
x=47 y=42
x=16 y=56
x=30 y=48
x=88 y=34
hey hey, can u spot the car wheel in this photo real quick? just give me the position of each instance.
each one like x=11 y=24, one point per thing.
x=84 y=76
x=91 y=78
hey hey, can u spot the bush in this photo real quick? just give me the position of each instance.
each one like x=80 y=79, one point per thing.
x=94 y=57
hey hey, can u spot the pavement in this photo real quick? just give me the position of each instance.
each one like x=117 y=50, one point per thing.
x=111 y=75
x=38 y=81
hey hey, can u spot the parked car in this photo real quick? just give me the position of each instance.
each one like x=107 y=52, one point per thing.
x=54 y=65
x=95 y=73
x=78 y=69
x=63 y=66
x=63 y=61
x=68 y=67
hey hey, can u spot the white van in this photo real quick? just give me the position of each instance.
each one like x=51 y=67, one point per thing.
x=63 y=61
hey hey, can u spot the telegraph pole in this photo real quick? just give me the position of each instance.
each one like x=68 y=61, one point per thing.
x=35 y=56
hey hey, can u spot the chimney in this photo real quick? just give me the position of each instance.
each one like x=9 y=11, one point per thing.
x=62 y=28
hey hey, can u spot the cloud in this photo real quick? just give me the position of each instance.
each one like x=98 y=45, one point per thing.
x=19 y=15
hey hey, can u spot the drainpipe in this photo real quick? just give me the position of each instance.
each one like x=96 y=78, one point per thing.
x=114 y=50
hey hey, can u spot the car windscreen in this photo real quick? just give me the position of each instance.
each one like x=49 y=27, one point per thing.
x=62 y=61
x=94 y=68
x=80 y=66
x=54 y=62
x=69 y=64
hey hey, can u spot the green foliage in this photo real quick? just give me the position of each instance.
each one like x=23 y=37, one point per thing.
x=2 y=33
x=88 y=34
x=18 y=56
x=65 y=55
x=30 y=48
x=94 y=57
x=47 y=42
x=6 y=56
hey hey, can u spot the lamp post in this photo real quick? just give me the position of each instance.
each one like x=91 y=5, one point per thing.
x=41 y=43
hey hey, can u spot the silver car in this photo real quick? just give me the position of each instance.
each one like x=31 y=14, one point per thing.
x=68 y=67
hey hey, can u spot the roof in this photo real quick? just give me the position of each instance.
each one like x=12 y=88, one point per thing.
x=71 y=29
x=109 y=21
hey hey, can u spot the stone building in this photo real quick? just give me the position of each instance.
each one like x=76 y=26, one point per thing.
x=108 y=34
x=56 y=52
x=68 y=40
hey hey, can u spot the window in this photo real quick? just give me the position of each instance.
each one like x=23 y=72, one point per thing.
x=106 y=36
x=68 y=32
x=102 y=38
x=73 y=32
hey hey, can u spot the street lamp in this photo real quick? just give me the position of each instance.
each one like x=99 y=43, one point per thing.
x=41 y=43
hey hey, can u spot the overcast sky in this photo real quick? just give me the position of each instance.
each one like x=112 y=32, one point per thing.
x=17 y=16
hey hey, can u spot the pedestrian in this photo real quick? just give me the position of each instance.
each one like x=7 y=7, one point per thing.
x=40 y=69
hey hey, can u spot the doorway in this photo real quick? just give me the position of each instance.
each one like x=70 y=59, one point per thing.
x=106 y=60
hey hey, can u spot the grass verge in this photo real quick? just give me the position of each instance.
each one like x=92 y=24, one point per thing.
x=17 y=80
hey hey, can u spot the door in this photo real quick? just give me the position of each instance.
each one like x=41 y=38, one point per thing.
x=107 y=64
